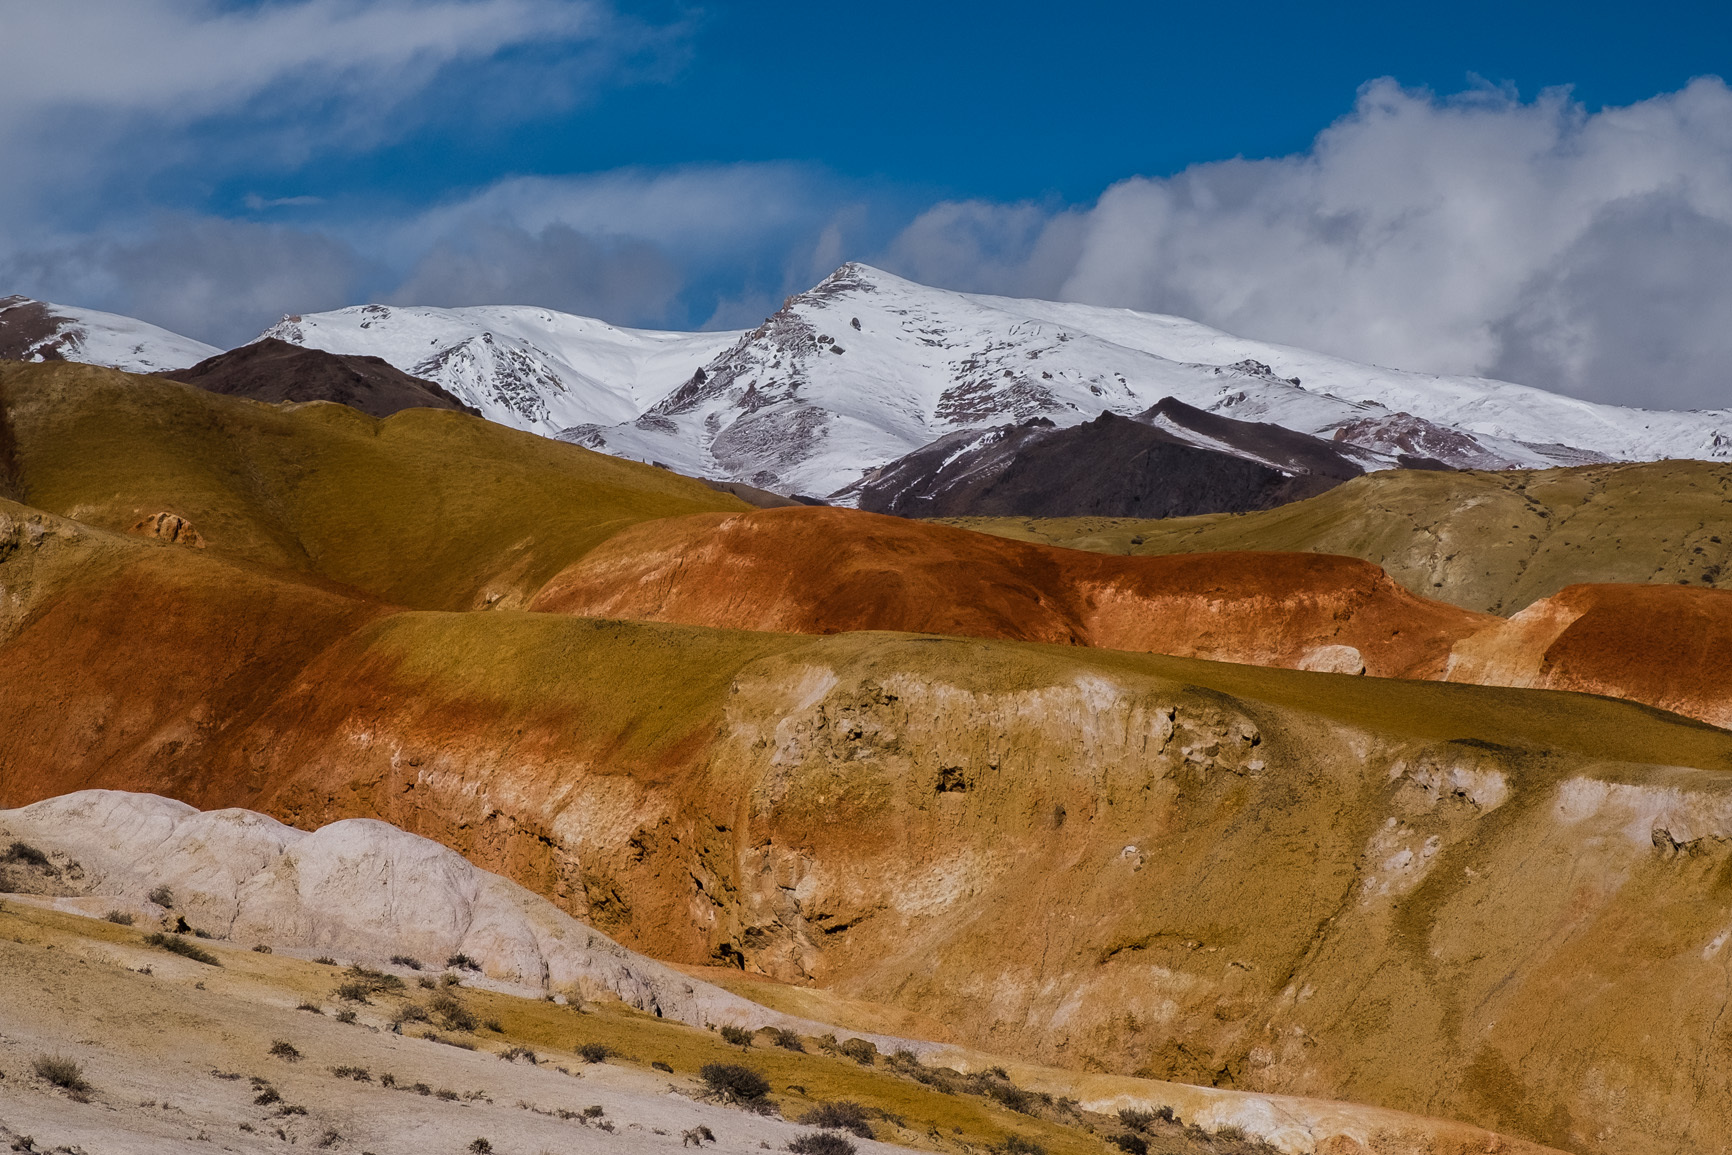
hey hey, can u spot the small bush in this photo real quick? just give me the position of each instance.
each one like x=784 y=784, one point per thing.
x=329 y=1139
x=736 y=1036
x=821 y=1143
x=345 y=1016
x=594 y=1052
x=65 y=1073
x=267 y=1095
x=162 y=896
x=462 y=962
x=404 y=960
x=1130 y=1143
x=733 y=1083
x=261 y=948
x=119 y=918
x=839 y=1116
x=860 y=1051
x=448 y=1096
x=697 y=1136
x=313 y=1007
x=492 y=1025
x=27 y=854
x=410 y=1013
x=453 y=1015
x=661 y=1066
x=326 y=960
x=594 y=1111
x=284 y=1050
x=1017 y=1145
x=375 y=982
x=516 y=1053
x=426 y=984
x=174 y=944
x=291 y=1109
x=788 y=1040
x=359 y=1074
x=352 y=993
x=481 y=1147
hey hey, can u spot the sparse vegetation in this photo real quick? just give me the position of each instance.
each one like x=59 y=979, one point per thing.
x=839 y=1116
x=281 y=1049
x=515 y=1053
x=492 y=1025
x=448 y=1095
x=661 y=1066
x=329 y=1139
x=735 y=1036
x=451 y=1013
x=732 y=1083
x=26 y=855
x=594 y=1052
x=860 y=1051
x=267 y=1095
x=313 y=1007
x=174 y=944
x=1130 y=1143
x=352 y=992
x=119 y=918
x=374 y=982
x=345 y=1016
x=359 y=1074
x=65 y=1073
x=480 y=1147
x=326 y=960
x=162 y=896
x=787 y=1040
x=462 y=962
x=821 y=1143
x=404 y=960
x=261 y=948
x=1015 y=1144
x=697 y=1136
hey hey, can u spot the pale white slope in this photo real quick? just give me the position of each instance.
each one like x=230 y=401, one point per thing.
x=527 y=367
x=96 y=338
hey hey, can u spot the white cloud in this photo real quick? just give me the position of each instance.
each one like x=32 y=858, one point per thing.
x=1576 y=251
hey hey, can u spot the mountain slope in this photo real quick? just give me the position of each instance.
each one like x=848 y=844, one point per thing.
x=526 y=367
x=272 y=370
x=40 y=331
x=1173 y=461
x=1494 y=541
x=867 y=367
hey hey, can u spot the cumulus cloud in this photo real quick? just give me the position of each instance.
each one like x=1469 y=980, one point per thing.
x=1477 y=234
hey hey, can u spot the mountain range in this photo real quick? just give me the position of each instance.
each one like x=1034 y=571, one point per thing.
x=867 y=373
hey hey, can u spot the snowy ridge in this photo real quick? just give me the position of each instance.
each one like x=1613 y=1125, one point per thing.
x=530 y=368
x=867 y=367
x=42 y=331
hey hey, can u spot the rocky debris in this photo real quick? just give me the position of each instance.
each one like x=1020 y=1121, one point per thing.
x=170 y=528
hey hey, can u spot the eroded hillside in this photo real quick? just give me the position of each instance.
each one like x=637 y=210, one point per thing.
x=1500 y=906
x=1485 y=541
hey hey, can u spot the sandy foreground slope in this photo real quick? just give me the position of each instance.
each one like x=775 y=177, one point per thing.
x=177 y=1049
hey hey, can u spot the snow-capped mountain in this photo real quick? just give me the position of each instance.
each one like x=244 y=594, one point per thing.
x=33 y=330
x=866 y=367
x=522 y=366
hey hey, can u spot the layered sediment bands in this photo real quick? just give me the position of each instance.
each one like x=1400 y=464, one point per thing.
x=1668 y=646
x=1445 y=899
x=822 y=571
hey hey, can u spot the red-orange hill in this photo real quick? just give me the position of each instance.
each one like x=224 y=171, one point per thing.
x=820 y=571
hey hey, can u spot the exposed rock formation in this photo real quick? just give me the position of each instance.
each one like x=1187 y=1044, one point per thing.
x=821 y=571
x=1668 y=646
x=273 y=370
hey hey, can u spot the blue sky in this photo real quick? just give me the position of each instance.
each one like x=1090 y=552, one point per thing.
x=1460 y=188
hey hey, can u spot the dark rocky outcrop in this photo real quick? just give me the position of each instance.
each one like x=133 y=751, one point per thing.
x=273 y=370
x=1171 y=461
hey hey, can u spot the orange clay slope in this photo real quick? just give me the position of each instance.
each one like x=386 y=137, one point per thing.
x=824 y=571
x=1663 y=645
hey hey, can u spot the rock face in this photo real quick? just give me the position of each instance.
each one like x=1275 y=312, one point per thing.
x=1668 y=646
x=359 y=888
x=821 y=571
x=1109 y=467
x=273 y=370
